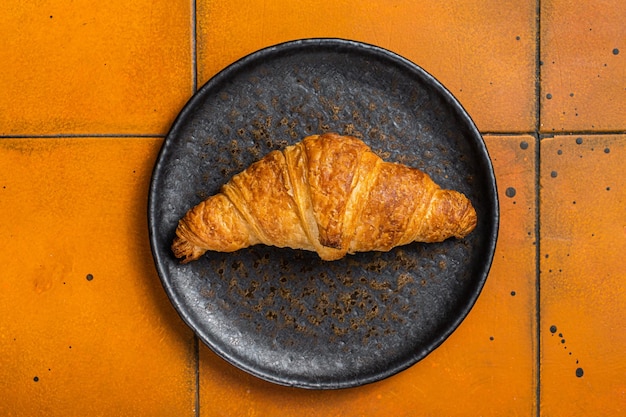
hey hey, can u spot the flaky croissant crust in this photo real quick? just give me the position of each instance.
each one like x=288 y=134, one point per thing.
x=329 y=194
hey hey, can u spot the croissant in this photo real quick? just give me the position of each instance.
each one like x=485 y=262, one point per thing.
x=329 y=194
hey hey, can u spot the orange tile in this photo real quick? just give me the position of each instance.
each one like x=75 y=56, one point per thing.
x=484 y=52
x=485 y=368
x=583 y=280
x=86 y=327
x=583 y=76
x=79 y=67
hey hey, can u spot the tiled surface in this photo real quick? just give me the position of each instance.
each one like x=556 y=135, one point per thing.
x=583 y=74
x=79 y=67
x=86 y=328
x=583 y=279
x=489 y=352
x=483 y=51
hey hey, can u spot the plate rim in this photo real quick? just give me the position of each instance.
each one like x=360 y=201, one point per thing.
x=298 y=45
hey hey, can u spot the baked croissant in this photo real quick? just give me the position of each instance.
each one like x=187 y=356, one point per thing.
x=329 y=194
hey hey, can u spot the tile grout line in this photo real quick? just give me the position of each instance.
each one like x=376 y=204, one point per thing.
x=194 y=46
x=196 y=356
x=162 y=136
x=194 y=85
x=538 y=273
x=543 y=135
x=538 y=208
x=86 y=136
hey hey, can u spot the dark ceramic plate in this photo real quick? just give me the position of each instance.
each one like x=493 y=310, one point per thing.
x=284 y=315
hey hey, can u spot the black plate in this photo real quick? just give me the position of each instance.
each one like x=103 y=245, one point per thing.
x=284 y=315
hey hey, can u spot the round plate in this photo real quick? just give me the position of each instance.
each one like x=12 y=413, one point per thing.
x=284 y=315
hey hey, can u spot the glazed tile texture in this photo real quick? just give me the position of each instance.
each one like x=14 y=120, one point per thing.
x=583 y=297
x=72 y=67
x=583 y=54
x=88 y=92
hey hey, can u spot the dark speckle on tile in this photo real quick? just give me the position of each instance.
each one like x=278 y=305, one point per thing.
x=510 y=192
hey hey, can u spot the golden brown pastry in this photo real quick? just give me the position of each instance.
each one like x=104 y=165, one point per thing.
x=329 y=194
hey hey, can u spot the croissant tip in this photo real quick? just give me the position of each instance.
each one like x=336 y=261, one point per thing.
x=186 y=251
x=468 y=221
